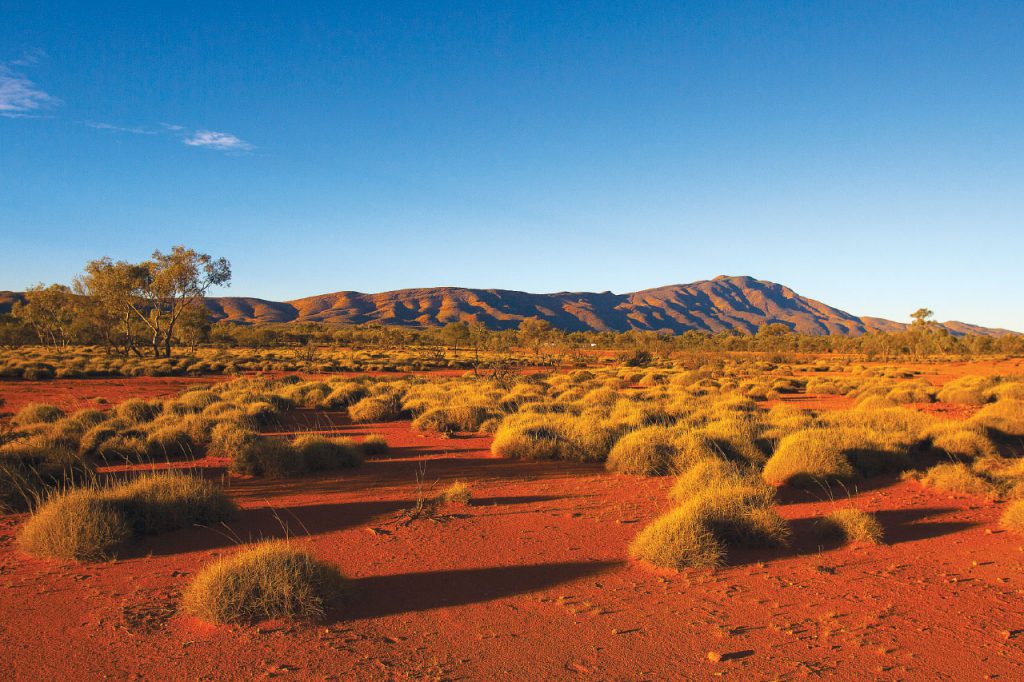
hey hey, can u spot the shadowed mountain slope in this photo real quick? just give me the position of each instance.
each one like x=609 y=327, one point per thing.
x=741 y=303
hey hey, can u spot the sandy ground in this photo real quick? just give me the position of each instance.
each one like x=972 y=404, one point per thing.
x=529 y=582
x=532 y=582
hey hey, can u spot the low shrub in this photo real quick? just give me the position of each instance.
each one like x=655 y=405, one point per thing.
x=374 y=444
x=807 y=457
x=35 y=413
x=375 y=409
x=1003 y=419
x=138 y=411
x=325 y=454
x=229 y=438
x=645 y=452
x=850 y=525
x=964 y=443
x=94 y=523
x=699 y=533
x=956 y=478
x=457 y=493
x=270 y=457
x=80 y=525
x=267 y=580
x=1013 y=518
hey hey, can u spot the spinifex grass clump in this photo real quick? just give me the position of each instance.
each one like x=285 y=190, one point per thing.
x=808 y=456
x=645 y=452
x=721 y=508
x=280 y=458
x=850 y=525
x=268 y=580
x=327 y=454
x=374 y=444
x=34 y=413
x=1013 y=518
x=457 y=493
x=95 y=523
x=376 y=409
x=957 y=478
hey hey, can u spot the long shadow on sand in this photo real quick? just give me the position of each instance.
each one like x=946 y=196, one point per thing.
x=388 y=595
x=266 y=523
x=900 y=525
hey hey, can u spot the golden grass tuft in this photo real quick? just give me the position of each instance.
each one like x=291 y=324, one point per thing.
x=850 y=525
x=374 y=444
x=78 y=525
x=957 y=478
x=1013 y=518
x=806 y=457
x=267 y=580
x=699 y=533
x=35 y=413
x=326 y=454
x=457 y=493
x=645 y=452
x=375 y=409
x=92 y=524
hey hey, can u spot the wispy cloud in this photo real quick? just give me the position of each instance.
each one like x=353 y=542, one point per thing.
x=30 y=58
x=224 y=142
x=213 y=140
x=22 y=98
x=121 y=129
x=19 y=96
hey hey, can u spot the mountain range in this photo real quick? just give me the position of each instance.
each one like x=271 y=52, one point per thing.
x=742 y=303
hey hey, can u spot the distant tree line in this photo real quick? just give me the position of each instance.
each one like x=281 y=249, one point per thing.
x=156 y=305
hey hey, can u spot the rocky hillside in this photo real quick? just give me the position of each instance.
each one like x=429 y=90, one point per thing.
x=742 y=303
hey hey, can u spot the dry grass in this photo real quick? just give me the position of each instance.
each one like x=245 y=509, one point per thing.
x=699 y=533
x=850 y=525
x=375 y=409
x=93 y=524
x=958 y=442
x=808 y=457
x=457 y=493
x=1013 y=518
x=267 y=580
x=34 y=413
x=374 y=444
x=327 y=454
x=957 y=478
x=645 y=452
x=79 y=525
x=1003 y=419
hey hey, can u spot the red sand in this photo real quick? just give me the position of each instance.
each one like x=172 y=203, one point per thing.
x=532 y=582
x=77 y=394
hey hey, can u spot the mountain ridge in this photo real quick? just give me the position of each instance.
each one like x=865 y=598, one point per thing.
x=725 y=302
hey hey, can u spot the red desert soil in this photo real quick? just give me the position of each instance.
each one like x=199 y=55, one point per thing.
x=77 y=394
x=532 y=582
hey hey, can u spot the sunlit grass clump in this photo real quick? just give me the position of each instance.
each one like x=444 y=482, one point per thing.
x=699 y=533
x=327 y=454
x=1013 y=518
x=850 y=525
x=809 y=456
x=95 y=523
x=456 y=493
x=267 y=580
x=375 y=409
x=645 y=452
x=957 y=478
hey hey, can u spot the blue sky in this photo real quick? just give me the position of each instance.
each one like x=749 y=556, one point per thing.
x=866 y=154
